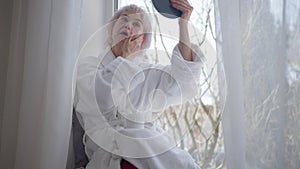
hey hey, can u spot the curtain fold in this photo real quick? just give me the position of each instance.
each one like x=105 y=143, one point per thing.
x=38 y=100
x=229 y=53
x=13 y=86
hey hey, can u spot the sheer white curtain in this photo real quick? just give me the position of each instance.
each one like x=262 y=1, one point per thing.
x=37 y=99
x=258 y=41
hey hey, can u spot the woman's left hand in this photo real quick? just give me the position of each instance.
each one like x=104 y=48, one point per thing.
x=184 y=6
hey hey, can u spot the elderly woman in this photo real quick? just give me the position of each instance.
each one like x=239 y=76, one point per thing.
x=116 y=95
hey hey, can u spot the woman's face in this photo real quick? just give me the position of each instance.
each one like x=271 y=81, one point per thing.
x=129 y=23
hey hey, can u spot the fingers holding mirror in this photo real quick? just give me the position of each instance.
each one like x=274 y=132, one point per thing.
x=184 y=6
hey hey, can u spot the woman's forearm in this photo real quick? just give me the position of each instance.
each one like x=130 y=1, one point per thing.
x=184 y=41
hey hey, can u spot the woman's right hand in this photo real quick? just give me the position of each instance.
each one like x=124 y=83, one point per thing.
x=131 y=45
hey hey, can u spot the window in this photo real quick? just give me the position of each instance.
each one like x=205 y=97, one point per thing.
x=195 y=125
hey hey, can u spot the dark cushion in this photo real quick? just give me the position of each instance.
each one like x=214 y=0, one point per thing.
x=81 y=159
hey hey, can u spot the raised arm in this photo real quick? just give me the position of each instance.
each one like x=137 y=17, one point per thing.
x=184 y=38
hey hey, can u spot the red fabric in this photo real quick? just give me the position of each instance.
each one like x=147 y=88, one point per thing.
x=127 y=165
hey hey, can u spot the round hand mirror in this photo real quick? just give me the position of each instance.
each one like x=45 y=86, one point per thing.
x=165 y=8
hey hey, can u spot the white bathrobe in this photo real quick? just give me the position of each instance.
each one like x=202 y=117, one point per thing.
x=116 y=98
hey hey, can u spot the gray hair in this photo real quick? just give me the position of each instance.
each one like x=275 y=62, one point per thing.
x=145 y=17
